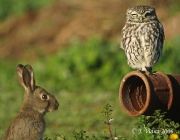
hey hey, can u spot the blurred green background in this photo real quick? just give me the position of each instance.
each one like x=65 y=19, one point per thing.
x=73 y=47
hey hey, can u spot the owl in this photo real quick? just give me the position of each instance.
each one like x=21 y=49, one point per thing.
x=142 y=38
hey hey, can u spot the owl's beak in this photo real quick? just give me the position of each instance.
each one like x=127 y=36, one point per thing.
x=141 y=19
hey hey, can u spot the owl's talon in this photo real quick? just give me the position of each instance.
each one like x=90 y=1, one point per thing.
x=148 y=70
x=148 y=73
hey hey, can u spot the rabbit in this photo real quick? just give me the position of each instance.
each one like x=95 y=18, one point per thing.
x=29 y=124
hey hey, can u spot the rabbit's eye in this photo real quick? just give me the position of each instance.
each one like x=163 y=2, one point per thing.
x=44 y=96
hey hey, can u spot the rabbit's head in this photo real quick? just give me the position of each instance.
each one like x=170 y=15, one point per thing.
x=35 y=97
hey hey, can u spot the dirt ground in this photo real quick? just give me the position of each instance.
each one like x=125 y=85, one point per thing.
x=50 y=28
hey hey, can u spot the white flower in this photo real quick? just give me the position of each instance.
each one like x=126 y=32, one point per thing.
x=110 y=120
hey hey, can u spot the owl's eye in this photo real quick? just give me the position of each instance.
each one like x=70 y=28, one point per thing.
x=148 y=14
x=134 y=15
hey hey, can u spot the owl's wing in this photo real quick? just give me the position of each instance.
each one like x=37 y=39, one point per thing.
x=122 y=44
x=161 y=34
x=160 y=42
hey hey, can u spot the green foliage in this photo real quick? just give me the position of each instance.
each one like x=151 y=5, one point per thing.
x=80 y=83
x=83 y=77
x=156 y=127
x=170 y=60
x=14 y=7
x=107 y=112
x=95 y=65
x=174 y=8
x=82 y=134
x=98 y=65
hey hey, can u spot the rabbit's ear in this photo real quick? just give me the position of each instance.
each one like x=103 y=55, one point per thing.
x=28 y=77
x=19 y=71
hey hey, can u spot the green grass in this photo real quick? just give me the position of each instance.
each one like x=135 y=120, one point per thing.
x=17 y=7
x=157 y=127
x=83 y=77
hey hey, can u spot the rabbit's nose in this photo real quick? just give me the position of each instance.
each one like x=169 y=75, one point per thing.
x=53 y=106
x=56 y=105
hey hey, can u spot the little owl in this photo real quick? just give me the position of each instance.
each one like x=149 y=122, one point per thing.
x=142 y=38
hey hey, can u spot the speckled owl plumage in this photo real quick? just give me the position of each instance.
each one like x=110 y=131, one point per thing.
x=142 y=38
